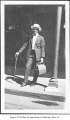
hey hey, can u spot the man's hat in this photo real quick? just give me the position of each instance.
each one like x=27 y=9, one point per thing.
x=36 y=26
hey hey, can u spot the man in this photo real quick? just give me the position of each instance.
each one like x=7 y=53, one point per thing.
x=36 y=53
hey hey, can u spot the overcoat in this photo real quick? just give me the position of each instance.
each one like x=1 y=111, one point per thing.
x=39 y=48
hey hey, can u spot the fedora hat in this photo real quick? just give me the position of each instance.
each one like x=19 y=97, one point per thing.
x=36 y=26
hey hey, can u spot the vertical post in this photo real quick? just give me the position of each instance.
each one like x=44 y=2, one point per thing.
x=30 y=22
x=55 y=69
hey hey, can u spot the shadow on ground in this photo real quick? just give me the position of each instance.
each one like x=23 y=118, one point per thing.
x=16 y=79
x=35 y=95
x=46 y=103
x=19 y=80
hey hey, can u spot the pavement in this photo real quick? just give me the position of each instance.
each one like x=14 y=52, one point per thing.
x=40 y=96
x=40 y=87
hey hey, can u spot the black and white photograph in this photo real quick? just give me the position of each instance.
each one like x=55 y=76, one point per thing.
x=35 y=57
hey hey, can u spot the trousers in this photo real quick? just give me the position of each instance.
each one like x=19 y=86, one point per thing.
x=31 y=60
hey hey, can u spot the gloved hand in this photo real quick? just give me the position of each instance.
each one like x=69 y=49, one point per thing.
x=17 y=54
x=42 y=60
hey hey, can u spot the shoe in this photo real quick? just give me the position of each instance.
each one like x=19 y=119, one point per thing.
x=53 y=80
x=24 y=84
x=33 y=84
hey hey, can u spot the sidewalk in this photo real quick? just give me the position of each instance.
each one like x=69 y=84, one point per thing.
x=41 y=87
x=35 y=97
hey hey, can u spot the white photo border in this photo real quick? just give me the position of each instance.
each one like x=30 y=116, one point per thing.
x=3 y=3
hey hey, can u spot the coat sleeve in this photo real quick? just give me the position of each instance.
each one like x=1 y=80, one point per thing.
x=29 y=49
x=43 y=47
x=23 y=47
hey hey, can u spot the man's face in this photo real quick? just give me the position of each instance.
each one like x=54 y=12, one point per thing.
x=34 y=31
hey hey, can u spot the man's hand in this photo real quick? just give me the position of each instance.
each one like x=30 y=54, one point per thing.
x=17 y=54
x=42 y=60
